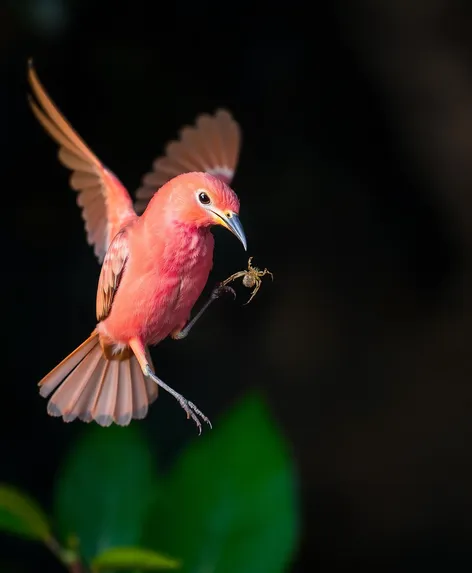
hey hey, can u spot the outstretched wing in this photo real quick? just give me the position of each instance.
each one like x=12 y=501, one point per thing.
x=106 y=204
x=212 y=145
x=111 y=273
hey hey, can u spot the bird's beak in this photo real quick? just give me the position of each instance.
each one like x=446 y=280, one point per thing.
x=231 y=222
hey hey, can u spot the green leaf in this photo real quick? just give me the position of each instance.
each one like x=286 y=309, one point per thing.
x=21 y=515
x=229 y=505
x=133 y=558
x=104 y=488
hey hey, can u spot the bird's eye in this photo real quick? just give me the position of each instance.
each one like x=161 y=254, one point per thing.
x=203 y=198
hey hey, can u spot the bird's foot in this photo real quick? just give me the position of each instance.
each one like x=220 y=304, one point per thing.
x=193 y=412
x=221 y=289
x=190 y=409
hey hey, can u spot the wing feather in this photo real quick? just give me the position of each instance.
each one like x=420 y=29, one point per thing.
x=105 y=203
x=211 y=145
x=111 y=273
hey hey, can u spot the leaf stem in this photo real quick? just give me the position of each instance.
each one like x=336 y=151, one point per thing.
x=67 y=557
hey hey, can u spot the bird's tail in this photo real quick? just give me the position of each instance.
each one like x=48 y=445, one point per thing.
x=88 y=386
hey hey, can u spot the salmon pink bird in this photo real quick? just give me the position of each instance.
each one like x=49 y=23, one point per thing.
x=156 y=257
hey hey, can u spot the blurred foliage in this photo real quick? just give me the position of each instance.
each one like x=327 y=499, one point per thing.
x=228 y=505
x=21 y=515
x=120 y=558
x=104 y=489
x=229 y=500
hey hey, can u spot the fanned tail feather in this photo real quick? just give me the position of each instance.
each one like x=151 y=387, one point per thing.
x=87 y=386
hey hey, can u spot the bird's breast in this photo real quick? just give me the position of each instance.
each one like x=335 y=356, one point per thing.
x=160 y=288
x=186 y=274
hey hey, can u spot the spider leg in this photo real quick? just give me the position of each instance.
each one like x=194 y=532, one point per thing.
x=233 y=277
x=253 y=294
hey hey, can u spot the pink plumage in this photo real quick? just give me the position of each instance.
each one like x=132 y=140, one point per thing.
x=155 y=265
x=172 y=254
x=212 y=146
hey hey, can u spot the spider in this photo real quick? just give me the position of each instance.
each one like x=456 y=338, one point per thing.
x=251 y=278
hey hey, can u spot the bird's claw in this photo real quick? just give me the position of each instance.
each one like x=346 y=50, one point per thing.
x=221 y=289
x=189 y=407
x=193 y=412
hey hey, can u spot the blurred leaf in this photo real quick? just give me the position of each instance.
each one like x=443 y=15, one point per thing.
x=229 y=504
x=21 y=515
x=133 y=558
x=104 y=489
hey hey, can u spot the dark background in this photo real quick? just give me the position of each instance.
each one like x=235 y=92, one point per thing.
x=355 y=181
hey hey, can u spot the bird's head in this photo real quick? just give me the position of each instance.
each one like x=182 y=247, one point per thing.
x=204 y=200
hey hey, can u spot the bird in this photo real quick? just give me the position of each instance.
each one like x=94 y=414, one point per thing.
x=156 y=254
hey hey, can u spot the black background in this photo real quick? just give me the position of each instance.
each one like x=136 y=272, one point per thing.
x=355 y=181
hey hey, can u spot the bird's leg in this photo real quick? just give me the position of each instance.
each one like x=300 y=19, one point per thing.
x=217 y=292
x=191 y=410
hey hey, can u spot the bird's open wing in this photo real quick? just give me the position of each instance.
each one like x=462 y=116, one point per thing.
x=106 y=204
x=111 y=273
x=212 y=145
